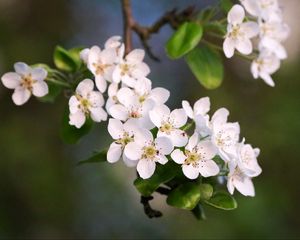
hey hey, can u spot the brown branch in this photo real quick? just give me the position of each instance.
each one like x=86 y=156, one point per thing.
x=172 y=18
x=149 y=211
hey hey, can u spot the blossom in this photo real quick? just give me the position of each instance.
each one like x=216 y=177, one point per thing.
x=201 y=107
x=148 y=151
x=130 y=106
x=101 y=64
x=122 y=134
x=265 y=65
x=169 y=124
x=272 y=46
x=238 y=33
x=115 y=43
x=197 y=158
x=112 y=99
x=225 y=135
x=86 y=102
x=26 y=81
x=131 y=68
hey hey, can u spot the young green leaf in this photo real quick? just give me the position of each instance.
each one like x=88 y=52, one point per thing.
x=226 y=5
x=184 y=39
x=185 y=196
x=222 y=200
x=207 y=66
x=71 y=134
x=206 y=191
x=163 y=173
x=95 y=158
x=64 y=60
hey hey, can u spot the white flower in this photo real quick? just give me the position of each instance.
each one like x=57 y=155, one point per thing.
x=130 y=106
x=112 y=99
x=86 y=102
x=197 y=158
x=225 y=135
x=267 y=10
x=273 y=46
x=84 y=55
x=26 y=81
x=122 y=134
x=101 y=64
x=148 y=151
x=143 y=89
x=201 y=107
x=131 y=68
x=238 y=33
x=168 y=124
x=115 y=43
x=278 y=31
x=237 y=179
x=265 y=65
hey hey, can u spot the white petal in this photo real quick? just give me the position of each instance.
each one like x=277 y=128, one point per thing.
x=22 y=68
x=193 y=141
x=20 y=96
x=124 y=95
x=162 y=159
x=113 y=42
x=77 y=119
x=160 y=95
x=85 y=87
x=146 y=168
x=96 y=99
x=84 y=55
x=178 y=156
x=39 y=74
x=267 y=79
x=236 y=14
x=114 y=152
x=178 y=117
x=159 y=114
x=202 y=106
x=135 y=56
x=164 y=145
x=251 y=29
x=189 y=171
x=143 y=86
x=115 y=128
x=220 y=116
x=230 y=185
x=116 y=75
x=244 y=46
x=108 y=56
x=207 y=149
x=113 y=89
x=141 y=70
x=118 y=111
x=93 y=57
x=188 y=109
x=11 y=80
x=179 y=138
x=251 y=7
x=228 y=47
x=40 y=89
x=73 y=104
x=208 y=168
x=143 y=137
x=128 y=162
x=98 y=114
x=131 y=126
x=245 y=187
x=133 y=151
x=101 y=83
x=128 y=81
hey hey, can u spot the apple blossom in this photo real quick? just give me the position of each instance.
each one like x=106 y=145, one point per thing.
x=26 y=81
x=169 y=124
x=239 y=33
x=202 y=107
x=148 y=151
x=86 y=102
x=197 y=158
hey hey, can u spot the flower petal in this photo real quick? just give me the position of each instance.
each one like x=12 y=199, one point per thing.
x=98 y=114
x=206 y=149
x=73 y=104
x=141 y=70
x=160 y=95
x=128 y=162
x=178 y=137
x=22 y=68
x=159 y=114
x=118 y=111
x=114 y=152
x=193 y=141
x=245 y=186
x=146 y=168
x=178 y=156
x=208 y=168
x=236 y=14
x=202 y=106
x=21 y=96
x=228 y=47
x=101 y=83
x=40 y=89
x=188 y=109
x=178 y=117
x=164 y=145
x=77 y=119
x=135 y=56
x=133 y=151
x=39 y=74
x=124 y=95
x=11 y=80
x=251 y=29
x=189 y=171
x=143 y=137
x=162 y=159
x=244 y=46
x=85 y=87
x=115 y=128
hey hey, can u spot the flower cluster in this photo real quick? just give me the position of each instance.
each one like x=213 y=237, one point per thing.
x=265 y=22
x=146 y=132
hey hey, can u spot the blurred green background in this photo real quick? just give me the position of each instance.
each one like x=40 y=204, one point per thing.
x=44 y=195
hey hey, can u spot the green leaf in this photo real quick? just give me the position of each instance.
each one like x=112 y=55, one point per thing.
x=95 y=158
x=184 y=39
x=207 y=66
x=198 y=212
x=163 y=173
x=64 y=60
x=226 y=5
x=206 y=191
x=222 y=200
x=71 y=134
x=216 y=27
x=185 y=196
x=54 y=91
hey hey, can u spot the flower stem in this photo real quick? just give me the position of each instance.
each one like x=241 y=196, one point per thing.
x=188 y=126
x=57 y=82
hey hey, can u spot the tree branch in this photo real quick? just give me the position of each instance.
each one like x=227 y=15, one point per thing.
x=149 y=211
x=172 y=18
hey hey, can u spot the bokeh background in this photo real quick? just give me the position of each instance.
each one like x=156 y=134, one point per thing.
x=44 y=195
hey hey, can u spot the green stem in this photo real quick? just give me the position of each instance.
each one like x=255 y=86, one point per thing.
x=58 y=73
x=57 y=82
x=188 y=126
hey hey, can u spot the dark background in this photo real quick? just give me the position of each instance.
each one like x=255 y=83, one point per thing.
x=44 y=195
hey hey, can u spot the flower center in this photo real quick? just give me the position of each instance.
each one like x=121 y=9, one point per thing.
x=125 y=139
x=235 y=32
x=142 y=98
x=166 y=127
x=192 y=158
x=135 y=114
x=150 y=152
x=27 y=82
x=124 y=69
x=84 y=104
x=100 y=68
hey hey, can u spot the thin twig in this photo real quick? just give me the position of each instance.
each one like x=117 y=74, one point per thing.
x=149 y=211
